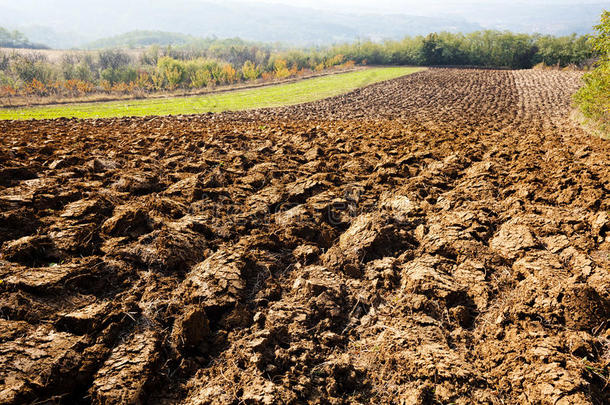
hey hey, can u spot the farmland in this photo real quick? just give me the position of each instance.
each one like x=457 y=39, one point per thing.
x=268 y=96
x=41 y=77
x=441 y=237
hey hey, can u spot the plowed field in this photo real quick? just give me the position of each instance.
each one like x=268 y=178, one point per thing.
x=438 y=238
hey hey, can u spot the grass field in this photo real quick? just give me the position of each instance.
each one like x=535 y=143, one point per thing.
x=271 y=96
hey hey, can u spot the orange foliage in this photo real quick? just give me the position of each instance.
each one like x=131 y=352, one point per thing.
x=36 y=87
x=144 y=82
x=71 y=86
x=281 y=70
x=106 y=86
x=7 y=91
x=334 y=61
x=84 y=87
x=121 y=87
x=229 y=73
x=56 y=87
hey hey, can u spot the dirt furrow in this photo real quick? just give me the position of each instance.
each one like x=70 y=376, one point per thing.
x=438 y=238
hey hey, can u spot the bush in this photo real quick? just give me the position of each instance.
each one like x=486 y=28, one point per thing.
x=158 y=80
x=216 y=71
x=29 y=68
x=113 y=59
x=200 y=78
x=83 y=72
x=229 y=74
x=143 y=82
x=280 y=69
x=250 y=71
x=594 y=97
x=7 y=91
x=121 y=75
x=194 y=73
x=334 y=61
x=123 y=88
x=36 y=88
x=172 y=70
x=6 y=80
x=150 y=56
x=5 y=61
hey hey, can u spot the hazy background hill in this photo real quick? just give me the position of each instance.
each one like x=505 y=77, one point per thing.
x=72 y=23
x=141 y=39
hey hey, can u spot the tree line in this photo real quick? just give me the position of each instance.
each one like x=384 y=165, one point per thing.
x=213 y=62
x=155 y=69
x=482 y=48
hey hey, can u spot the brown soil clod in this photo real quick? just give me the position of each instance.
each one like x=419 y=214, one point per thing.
x=437 y=238
x=191 y=330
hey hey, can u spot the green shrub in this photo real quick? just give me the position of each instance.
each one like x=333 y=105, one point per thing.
x=217 y=73
x=83 y=72
x=250 y=71
x=126 y=74
x=197 y=73
x=200 y=78
x=109 y=75
x=6 y=80
x=173 y=70
x=594 y=97
x=150 y=56
x=113 y=59
x=29 y=68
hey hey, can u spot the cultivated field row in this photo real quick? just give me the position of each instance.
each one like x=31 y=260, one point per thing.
x=437 y=238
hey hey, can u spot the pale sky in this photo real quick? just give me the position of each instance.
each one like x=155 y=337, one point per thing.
x=69 y=19
x=408 y=6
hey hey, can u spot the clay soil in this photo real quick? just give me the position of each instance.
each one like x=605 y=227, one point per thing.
x=439 y=238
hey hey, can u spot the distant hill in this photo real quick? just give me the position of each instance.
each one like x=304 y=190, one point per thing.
x=141 y=39
x=229 y=19
x=16 y=39
x=56 y=38
x=551 y=17
x=67 y=23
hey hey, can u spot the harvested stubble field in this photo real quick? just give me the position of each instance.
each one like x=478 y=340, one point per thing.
x=438 y=238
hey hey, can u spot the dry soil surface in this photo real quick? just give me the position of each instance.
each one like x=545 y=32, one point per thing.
x=439 y=238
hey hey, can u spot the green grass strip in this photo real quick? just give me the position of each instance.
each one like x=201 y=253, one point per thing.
x=270 y=96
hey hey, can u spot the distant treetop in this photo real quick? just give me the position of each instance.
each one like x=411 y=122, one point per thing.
x=15 y=39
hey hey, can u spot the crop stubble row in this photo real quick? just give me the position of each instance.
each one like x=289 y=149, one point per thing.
x=438 y=237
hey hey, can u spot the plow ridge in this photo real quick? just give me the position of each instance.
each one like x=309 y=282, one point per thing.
x=438 y=238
